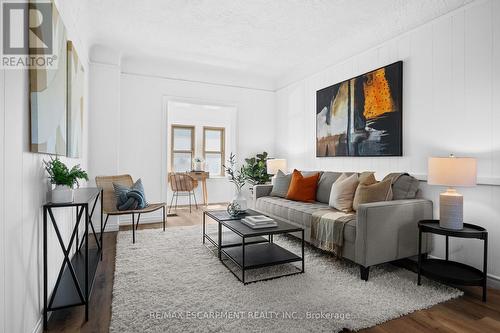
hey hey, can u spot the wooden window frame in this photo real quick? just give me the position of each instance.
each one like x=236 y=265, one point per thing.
x=172 y=143
x=222 y=145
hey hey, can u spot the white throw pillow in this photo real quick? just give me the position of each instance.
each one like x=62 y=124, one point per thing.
x=342 y=193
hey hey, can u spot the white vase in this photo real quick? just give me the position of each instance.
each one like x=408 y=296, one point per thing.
x=62 y=194
x=198 y=166
x=241 y=200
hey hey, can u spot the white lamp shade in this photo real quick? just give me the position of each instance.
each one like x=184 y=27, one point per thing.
x=276 y=164
x=452 y=171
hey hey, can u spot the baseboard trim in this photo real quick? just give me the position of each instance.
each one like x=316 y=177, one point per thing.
x=112 y=228
x=39 y=326
x=493 y=281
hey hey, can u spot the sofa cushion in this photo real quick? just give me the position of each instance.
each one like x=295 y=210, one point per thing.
x=405 y=187
x=325 y=185
x=381 y=191
x=367 y=178
x=297 y=212
x=303 y=188
x=310 y=173
x=342 y=193
x=300 y=213
x=281 y=184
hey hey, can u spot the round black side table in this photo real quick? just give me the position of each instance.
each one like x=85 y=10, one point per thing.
x=448 y=271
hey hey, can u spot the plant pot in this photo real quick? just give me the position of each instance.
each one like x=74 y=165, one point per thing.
x=62 y=194
x=241 y=200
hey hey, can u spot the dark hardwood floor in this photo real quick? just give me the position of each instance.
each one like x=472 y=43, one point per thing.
x=465 y=314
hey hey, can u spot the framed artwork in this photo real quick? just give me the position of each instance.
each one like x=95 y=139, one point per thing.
x=48 y=98
x=362 y=116
x=76 y=87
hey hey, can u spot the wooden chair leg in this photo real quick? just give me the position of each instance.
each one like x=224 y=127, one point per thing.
x=189 y=195
x=176 y=199
x=195 y=203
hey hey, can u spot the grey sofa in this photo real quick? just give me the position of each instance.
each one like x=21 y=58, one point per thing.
x=380 y=232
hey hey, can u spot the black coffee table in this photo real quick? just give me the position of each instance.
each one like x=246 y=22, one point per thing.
x=249 y=248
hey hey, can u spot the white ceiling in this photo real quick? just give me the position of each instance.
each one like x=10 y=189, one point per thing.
x=259 y=37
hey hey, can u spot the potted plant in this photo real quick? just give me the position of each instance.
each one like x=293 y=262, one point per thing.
x=255 y=170
x=64 y=179
x=238 y=178
x=198 y=164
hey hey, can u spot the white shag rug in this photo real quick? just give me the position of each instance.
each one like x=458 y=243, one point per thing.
x=170 y=282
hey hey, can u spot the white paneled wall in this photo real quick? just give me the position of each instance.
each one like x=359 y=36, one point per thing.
x=23 y=188
x=23 y=191
x=2 y=201
x=14 y=284
x=451 y=104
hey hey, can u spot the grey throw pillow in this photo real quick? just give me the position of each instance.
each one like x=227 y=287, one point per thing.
x=311 y=173
x=281 y=184
x=405 y=187
x=325 y=185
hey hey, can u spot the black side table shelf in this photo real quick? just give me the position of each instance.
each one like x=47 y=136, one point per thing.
x=76 y=275
x=446 y=270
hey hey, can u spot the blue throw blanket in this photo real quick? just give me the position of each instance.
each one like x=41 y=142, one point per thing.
x=130 y=198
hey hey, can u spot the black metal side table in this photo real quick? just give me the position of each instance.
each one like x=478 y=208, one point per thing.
x=446 y=270
x=76 y=274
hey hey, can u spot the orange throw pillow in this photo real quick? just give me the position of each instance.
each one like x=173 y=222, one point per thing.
x=302 y=188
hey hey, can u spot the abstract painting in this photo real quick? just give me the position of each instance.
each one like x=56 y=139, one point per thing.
x=362 y=116
x=48 y=98
x=75 y=102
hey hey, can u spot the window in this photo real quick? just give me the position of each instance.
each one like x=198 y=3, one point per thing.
x=213 y=150
x=182 y=148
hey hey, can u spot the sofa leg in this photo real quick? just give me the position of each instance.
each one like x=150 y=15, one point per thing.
x=364 y=272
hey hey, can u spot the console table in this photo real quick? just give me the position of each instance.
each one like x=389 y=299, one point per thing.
x=446 y=270
x=202 y=176
x=76 y=274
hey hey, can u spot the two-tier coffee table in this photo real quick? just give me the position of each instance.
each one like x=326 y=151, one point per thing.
x=249 y=248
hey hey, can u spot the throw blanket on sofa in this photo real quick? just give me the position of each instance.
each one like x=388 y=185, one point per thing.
x=327 y=230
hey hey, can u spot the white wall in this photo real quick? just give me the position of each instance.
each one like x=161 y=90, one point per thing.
x=141 y=133
x=2 y=201
x=23 y=188
x=451 y=105
x=199 y=115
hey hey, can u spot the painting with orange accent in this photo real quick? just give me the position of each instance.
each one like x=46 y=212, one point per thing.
x=362 y=116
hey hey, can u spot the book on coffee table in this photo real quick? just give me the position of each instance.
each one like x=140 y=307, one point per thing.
x=259 y=223
x=259 y=219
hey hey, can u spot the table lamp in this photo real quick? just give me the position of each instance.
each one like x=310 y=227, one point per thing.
x=274 y=165
x=451 y=171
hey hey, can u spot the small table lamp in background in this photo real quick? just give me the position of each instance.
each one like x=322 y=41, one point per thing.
x=275 y=164
x=451 y=171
